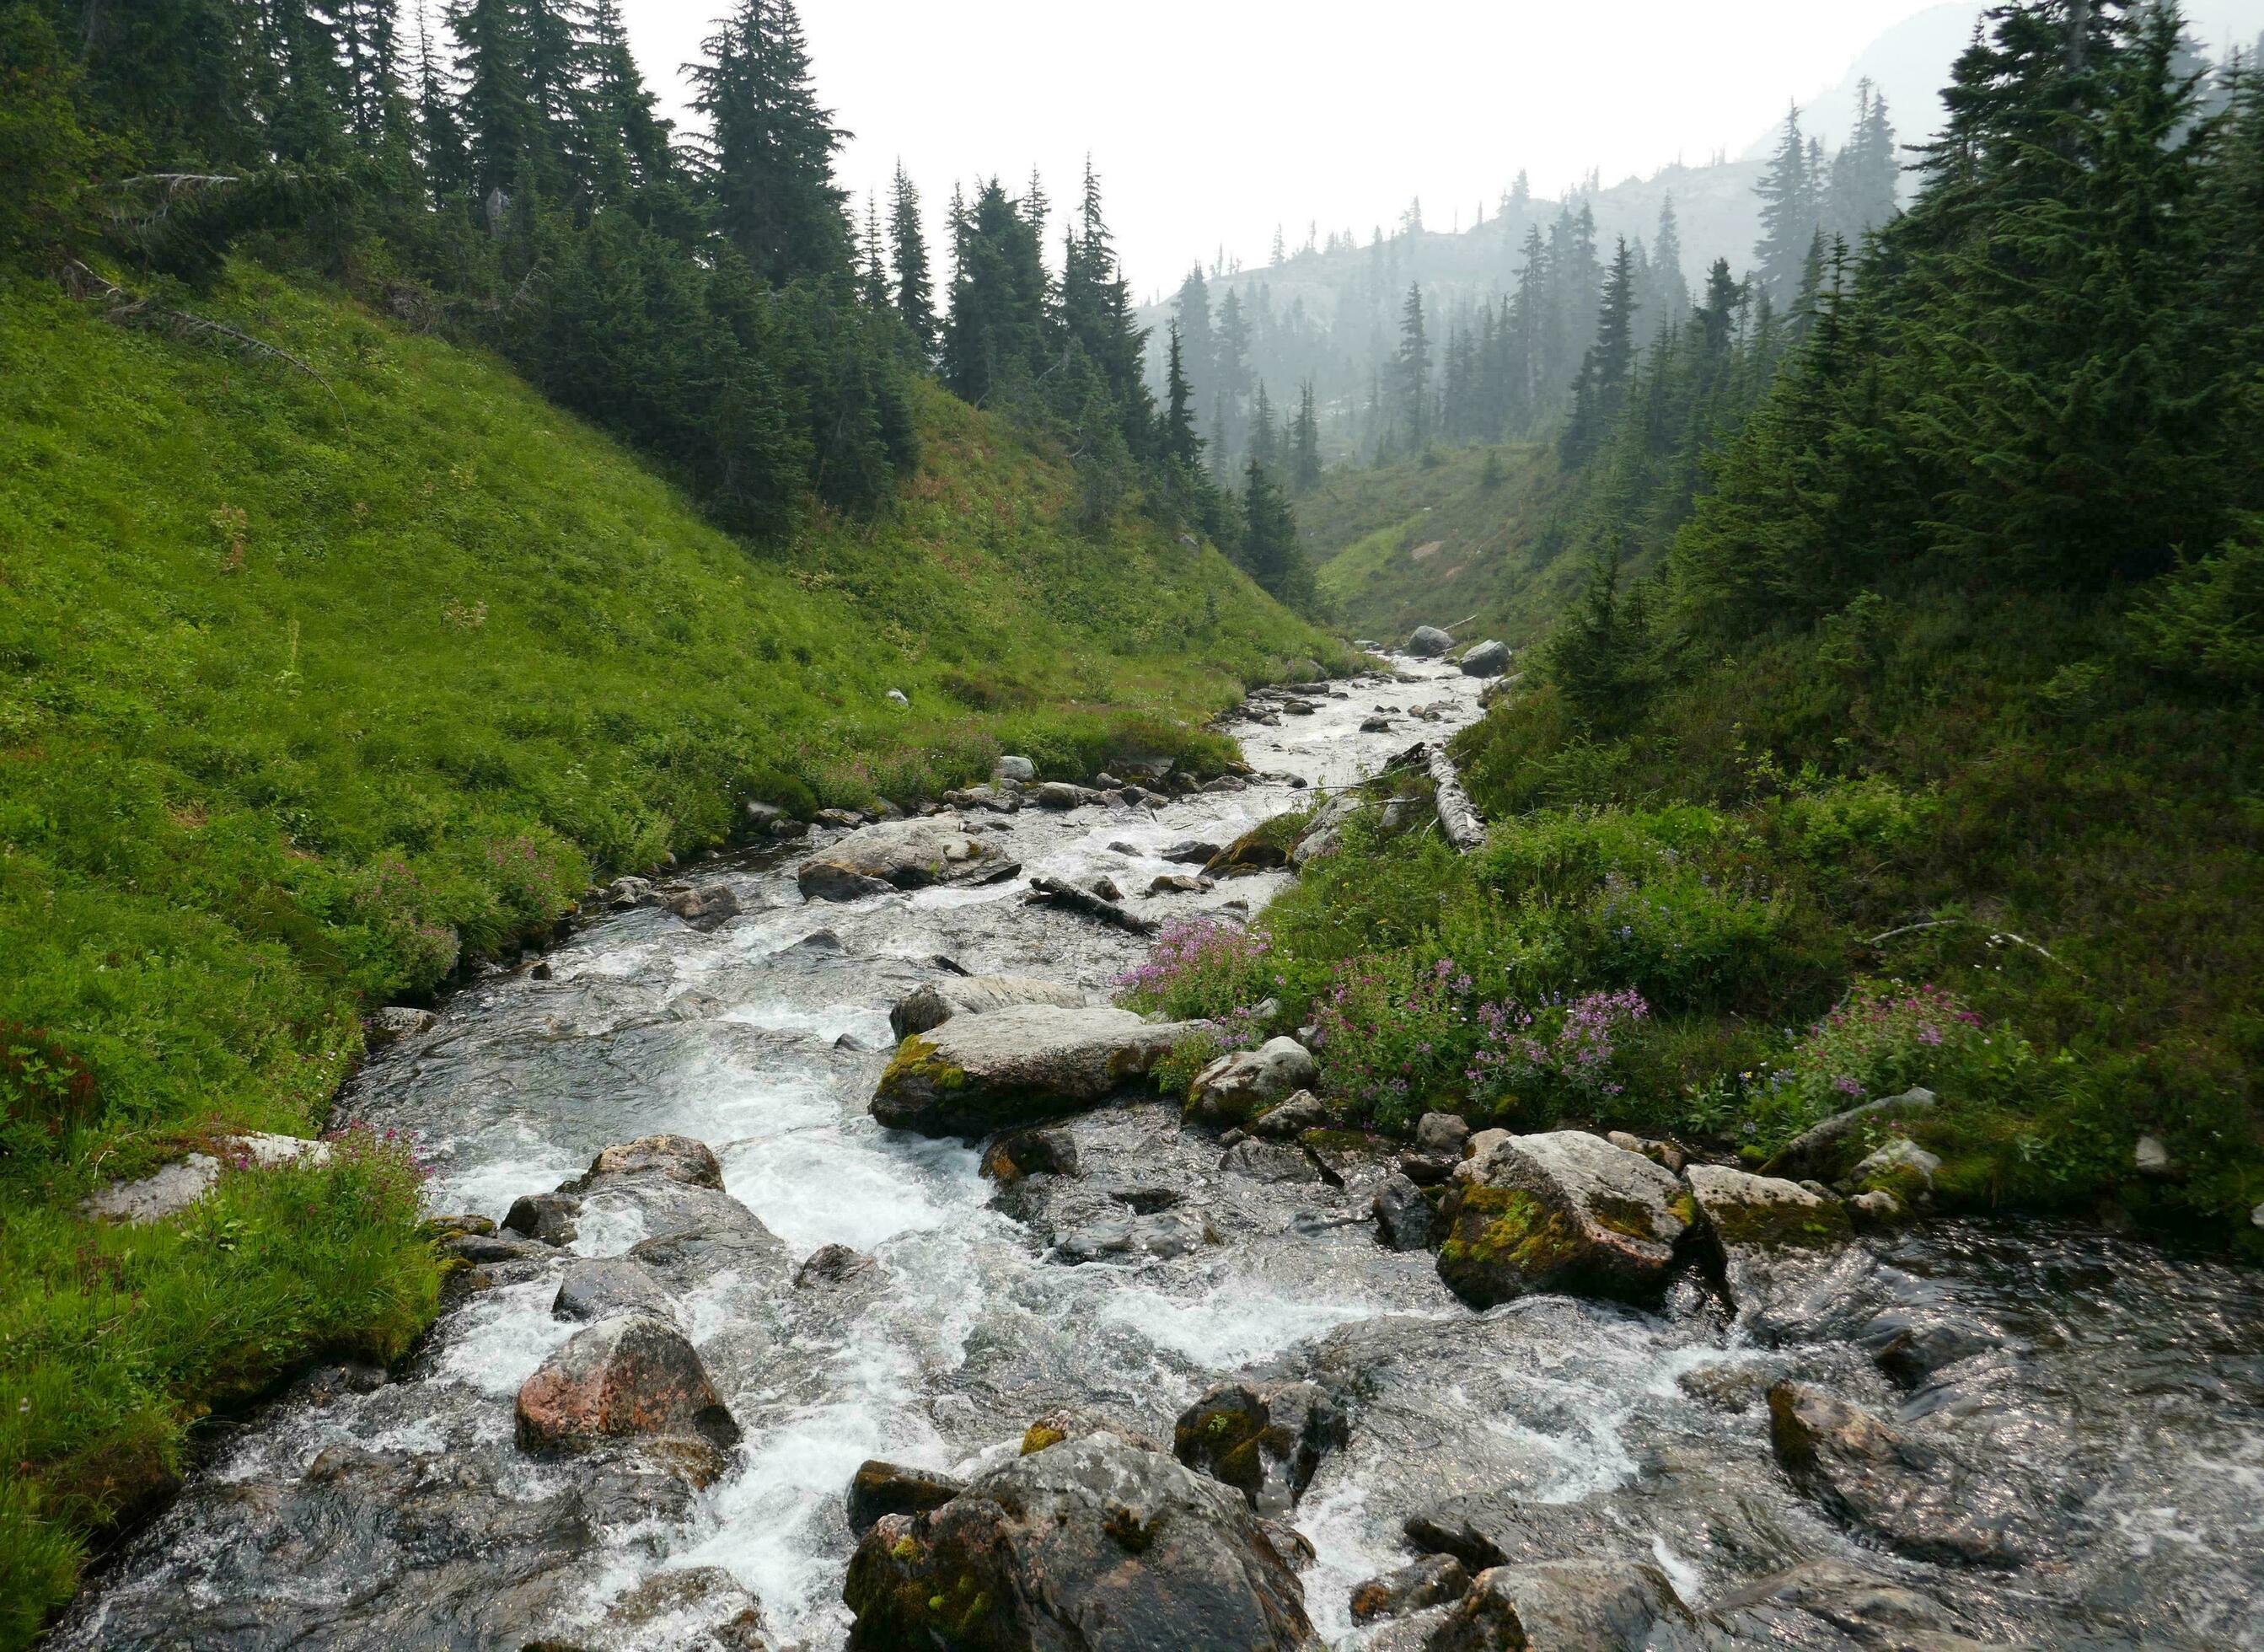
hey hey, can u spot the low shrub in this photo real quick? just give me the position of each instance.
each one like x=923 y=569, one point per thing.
x=1397 y=1032
x=1199 y=969
x=1536 y=1067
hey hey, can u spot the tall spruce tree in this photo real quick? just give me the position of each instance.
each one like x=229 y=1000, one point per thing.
x=1305 y=442
x=915 y=290
x=1413 y=370
x=1600 y=390
x=1789 y=215
x=769 y=147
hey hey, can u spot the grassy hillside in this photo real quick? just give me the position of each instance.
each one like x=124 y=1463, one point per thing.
x=315 y=689
x=1473 y=531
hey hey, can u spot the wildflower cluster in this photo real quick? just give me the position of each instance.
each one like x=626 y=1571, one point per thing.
x=1394 y=1030
x=1883 y=1038
x=1200 y=969
x=1564 y=1051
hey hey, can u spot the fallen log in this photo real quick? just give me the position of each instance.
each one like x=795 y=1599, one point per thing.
x=1458 y=816
x=1055 y=892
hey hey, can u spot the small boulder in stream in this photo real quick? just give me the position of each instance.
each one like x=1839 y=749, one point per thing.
x=901 y=854
x=675 y=1158
x=1487 y=659
x=1570 y=1606
x=631 y=1376
x=1236 y=1087
x=1785 y=1252
x=1435 y=1580
x=928 y=1007
x=981 y=1073
x=549 y=1217
x=879 y=1488
x=1562 y=1211
x=1264 y=1439
x=1428 y=642
x=601 y=1288
x=1902 y=1489
x=1403 y=1215
x=1091 y=1544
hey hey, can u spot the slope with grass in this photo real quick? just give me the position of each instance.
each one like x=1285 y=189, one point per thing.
x=322 y=684
x=1470 y=532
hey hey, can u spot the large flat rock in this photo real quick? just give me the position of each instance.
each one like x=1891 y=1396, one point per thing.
x=979 y=1073
x=901 y=854
x=1561 y=1211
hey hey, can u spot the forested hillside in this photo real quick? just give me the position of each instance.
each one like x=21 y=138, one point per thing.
x=1905 y=727
x=431 y=483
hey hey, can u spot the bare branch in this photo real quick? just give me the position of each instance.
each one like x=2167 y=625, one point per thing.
x=126 y=310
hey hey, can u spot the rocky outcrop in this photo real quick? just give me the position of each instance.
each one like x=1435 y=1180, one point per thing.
x=1264 y=1439
x=1487 y=659
x=1901 y=1490
x=1428 y=642
x=879 y=1490
x=927 y=1008
x=1092 y=1544
x=1576 y=1605
x=170 y=1191
x=675 y=1158
x=1563 y=1211
x=904 y=854
x=977 y=1074
x=1236 y=1087
x=633 y=1376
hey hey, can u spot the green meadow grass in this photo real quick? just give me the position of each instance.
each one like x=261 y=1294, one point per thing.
x=313 y=689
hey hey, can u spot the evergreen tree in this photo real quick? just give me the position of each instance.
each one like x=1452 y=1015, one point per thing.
x=768 y=152
x=915 y=293
x=1414 y=370
x=1270 y=551
x=994 y=342
x=439 y=133
x=1181 y=445
x=1669 y=292
x=1789 y=215
x=1305 y=442
x=1601 y=387
x=630 y=142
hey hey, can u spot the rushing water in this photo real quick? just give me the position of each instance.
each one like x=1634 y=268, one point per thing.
x=2117 y=1407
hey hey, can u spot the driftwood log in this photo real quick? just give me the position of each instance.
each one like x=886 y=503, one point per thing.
x=1056 y=892
x=1458 y=816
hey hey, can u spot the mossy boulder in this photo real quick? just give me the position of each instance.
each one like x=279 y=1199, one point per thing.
x=1264 y=1439
x=1091 y=1543
x=1016 y=1066
x=1561 y=1211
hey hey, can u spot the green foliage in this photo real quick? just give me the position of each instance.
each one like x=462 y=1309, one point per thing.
x=113 y=1340
x=45 y=153
x=1396 y=1030
x=2206 y=620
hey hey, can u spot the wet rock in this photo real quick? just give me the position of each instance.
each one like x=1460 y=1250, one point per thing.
x=691 y=1609
x=1376 y=726
x=1882 y=1481
x=549 y=1217
x=1179 y=883
x=1427 y=1169
x=1832 y=1604
x=1288 y=1120
x=1058 y=892
x=976 y=1074
x=1090 y=1544
x=1428 y=642
x=486 y=1250
x=1435 y=1580
x=1164 y=1235
x=879 y=1490
x=1876 y=1211
x=1268 y=1162
x=1000 y=799
x=707 y=908
x=1294 y=1548
x=606 y=1287
x=1073 y=1422
x=393 y=1023
x=1579 y=1605
x=1822 y=1148
x=1777 y=1245
x=762 y=817
x=1191 y=853
x=1444 y=1133
x=674 y=1158
x=1910 y=1347
x=1023 y=1153
x=1232 y=1089
x=450 y=1227
x=1105 y=888
x=632 y=1376
x=1484 y=1530
x=719 y=1235
x=1264 y=1439
x=1562 y=1211
x=1059 y=794
x=1487 y=659
x=905 y=854
x=832 y=1265
x=1403 y=1216
x=928 y=1007
x=625 y=893
x=1147 y=1200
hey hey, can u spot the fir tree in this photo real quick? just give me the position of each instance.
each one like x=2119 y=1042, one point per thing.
x=1181 y=443
x=1788 y=214
x=768 y=152
x=1305 y=442
x=915 y=293
x=1412 y=368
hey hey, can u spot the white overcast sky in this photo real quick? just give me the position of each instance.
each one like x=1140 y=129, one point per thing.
x=1210 y=120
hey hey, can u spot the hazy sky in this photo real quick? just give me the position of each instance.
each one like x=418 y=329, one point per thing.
x=1210 y=121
